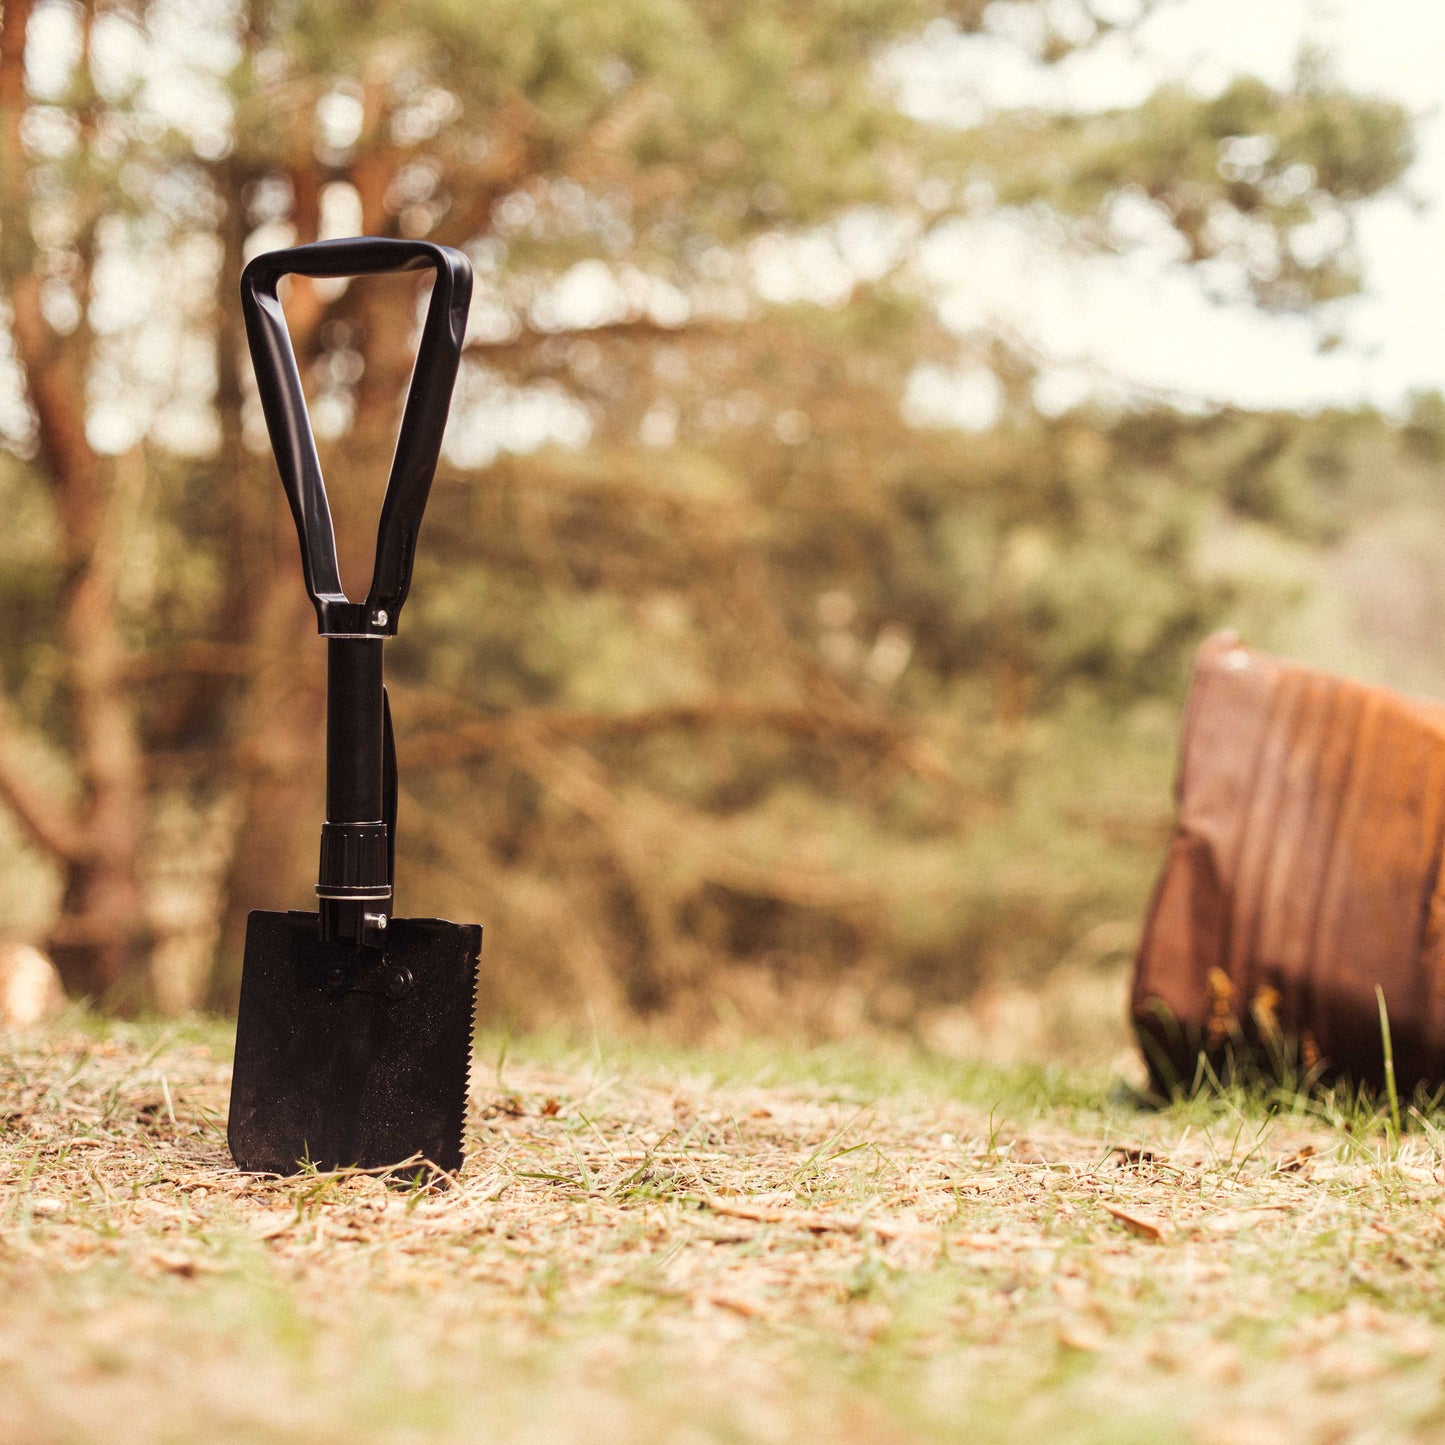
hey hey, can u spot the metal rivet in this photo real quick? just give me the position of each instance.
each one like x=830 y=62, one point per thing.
x=379 y=617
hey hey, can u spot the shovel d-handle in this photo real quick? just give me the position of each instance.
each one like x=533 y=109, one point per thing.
x=418 y=442
x=358 y=839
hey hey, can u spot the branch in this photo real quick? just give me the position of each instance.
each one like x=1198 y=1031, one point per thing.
x=444 y=746
x=630 y=328
x=50 y=823
x=474 y=738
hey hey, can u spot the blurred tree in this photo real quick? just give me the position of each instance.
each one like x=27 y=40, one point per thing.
x=741 y=664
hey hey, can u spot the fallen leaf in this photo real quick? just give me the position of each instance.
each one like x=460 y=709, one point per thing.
x=1122 y=1154
x=184 y=1265
x=1146 y=1226
x=551 y=1109
x=816 y=1221
x=748 y=1309
x=980 y=1184
x=1297 y=1162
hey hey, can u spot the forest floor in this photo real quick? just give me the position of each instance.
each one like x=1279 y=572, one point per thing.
x=755 y=1245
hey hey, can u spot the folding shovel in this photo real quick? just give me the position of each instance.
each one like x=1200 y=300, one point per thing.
x=354 y=1033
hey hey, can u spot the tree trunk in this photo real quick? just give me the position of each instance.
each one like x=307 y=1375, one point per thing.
x=101 y=939
x=101 y=936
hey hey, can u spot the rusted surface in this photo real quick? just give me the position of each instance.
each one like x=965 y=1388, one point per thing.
x=1304 y=873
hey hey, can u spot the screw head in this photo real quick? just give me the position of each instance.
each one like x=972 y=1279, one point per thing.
x=379 y=618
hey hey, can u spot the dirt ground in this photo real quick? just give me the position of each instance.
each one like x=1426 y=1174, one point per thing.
x=755 y=1245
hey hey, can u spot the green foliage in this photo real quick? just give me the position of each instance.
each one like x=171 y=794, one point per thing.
x=1258 y=179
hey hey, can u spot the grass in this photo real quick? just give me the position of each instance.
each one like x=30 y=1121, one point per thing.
x=745 y=1245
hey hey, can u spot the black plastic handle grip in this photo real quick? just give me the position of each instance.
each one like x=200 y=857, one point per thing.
x=418 y=443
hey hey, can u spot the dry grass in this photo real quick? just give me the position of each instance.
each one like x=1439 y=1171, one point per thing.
x=739 y=1247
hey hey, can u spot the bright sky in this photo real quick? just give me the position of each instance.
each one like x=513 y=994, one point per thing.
x=1144 y=319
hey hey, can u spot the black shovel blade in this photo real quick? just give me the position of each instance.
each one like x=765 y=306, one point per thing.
x=352 y=1058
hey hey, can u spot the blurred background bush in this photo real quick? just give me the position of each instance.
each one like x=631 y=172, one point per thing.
x=794 y=644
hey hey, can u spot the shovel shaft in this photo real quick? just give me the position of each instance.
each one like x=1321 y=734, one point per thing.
x=353 y=730
x=354 y=878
